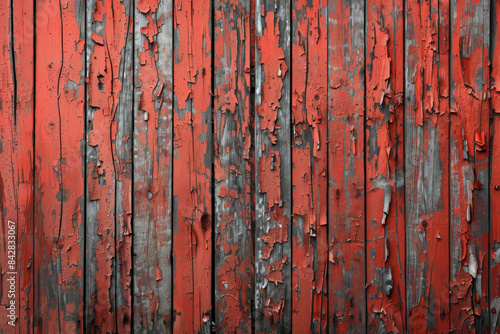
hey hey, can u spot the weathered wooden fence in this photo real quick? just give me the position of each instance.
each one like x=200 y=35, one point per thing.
x=249 y=166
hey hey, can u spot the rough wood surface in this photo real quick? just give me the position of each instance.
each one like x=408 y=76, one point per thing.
x=109 y=165
x=309 y=87
x=152 y=165
x=59 y=167
x=346 y=239
x=255 y=166
x=233 y=167
x=273 y=281
x=192 y=166
x=469 y=171
x=16 y=164
x=385 y=214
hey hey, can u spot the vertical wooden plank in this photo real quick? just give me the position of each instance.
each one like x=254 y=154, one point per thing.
x=273 y=303
x=385 y=215
x=16 y=166
x=192 y=166
x=109 y=165
x=309 y=166
x=60 y=167
x=152 y=227
x=469 y=135
x=233 y=167
x=426 y=166
x=347 y=302
x=494 y=151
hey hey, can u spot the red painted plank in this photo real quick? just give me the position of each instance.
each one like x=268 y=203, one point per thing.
x=60 y=166
x=309 y=166
x=16 y=166
x=233 y=167
x=385 y=216
x=273 y=304
x=469 y=135
x=494 y=151
x=426 y=166
x=152 y=228
x=347 y=302
x=192 y=142
x=109 y=170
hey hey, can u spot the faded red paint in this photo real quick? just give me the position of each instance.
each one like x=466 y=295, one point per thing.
x=346 y=239
x=59 y=165
x=192 y=243
x=16 y=157
x=469 y=135
x=385 y=219
x=273 y=189
x=310 y=167
x=108 y=166
x=233 y=130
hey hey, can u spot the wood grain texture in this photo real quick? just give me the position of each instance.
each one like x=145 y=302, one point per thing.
x=385 y=215
x=233 y=167
x=273 y=286
x=109 y=165
x=60 y=167
x=309 y=84
x=346 y=240
x=469 y=171
x=152 y=189
x=426 y=166
x=493 y=255
x=16 y=165
x=192 y=166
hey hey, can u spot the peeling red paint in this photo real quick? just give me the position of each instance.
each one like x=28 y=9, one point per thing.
x=192 y=240
x=346 y=239
x=385 y=219
x=309 y=166
x=59 y=165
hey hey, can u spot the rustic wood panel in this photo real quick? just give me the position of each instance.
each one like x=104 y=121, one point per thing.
x=260 y=166
x=426 y=125
x=309 y=84
x=16 y=167
x=469 y=173
x=493 y=256
x=346 y=90
x=109 y=165
x=233 y=167
x=60 y=167
x=273 y=285
x=152 y=165
x=192 y=166
x=385 y=215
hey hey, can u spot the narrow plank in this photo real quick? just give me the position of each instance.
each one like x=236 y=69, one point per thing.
x=426 y=166
x=385 y=215
x=60 y=167
x=192 y=167
x=346 y=63
x=273 y=290
x=494 y=152
x=309 y=166
x=109 y=166
x=469 y=135
x=233 y=167
x=152 y=204
x=16 y=165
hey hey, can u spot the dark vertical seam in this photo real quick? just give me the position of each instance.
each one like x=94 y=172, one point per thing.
x=450 y=94
x=290 y=150
x=171 y=171
x=13 y=64
x=405 y=210
x=212 y=176
x=492 y=36
x=365 y=27
x=328 y=218
x=85 y=197
x=33 y=176
x=132 y=177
